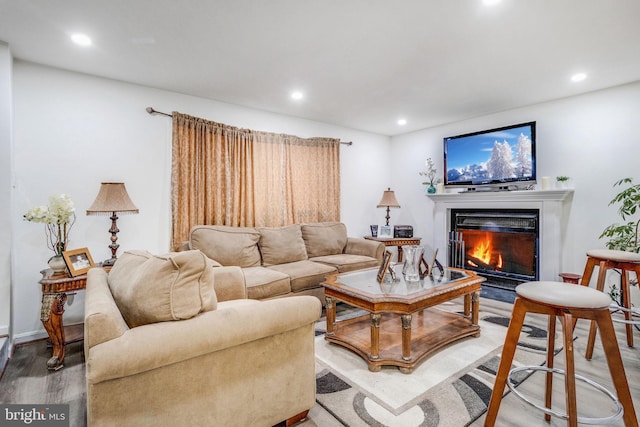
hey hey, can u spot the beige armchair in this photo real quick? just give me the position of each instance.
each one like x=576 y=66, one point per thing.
x=242 y=363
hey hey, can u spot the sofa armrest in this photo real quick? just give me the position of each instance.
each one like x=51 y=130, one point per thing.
x=229 y=283
x=360 y=246
x=156 y=345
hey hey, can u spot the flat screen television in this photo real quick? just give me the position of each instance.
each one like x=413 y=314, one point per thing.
x=501 y=157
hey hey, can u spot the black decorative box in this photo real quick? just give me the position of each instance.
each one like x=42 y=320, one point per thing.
x=402 y=231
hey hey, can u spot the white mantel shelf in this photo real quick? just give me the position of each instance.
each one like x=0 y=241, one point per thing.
x=553 y=206
x=502 y=196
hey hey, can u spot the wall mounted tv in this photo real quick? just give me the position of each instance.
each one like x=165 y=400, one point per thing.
x=501 y=157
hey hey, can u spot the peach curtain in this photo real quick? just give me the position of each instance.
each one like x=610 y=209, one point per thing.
x=225 y=175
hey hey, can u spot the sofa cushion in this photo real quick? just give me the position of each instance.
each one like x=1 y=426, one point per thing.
x=347 y=262
x=279 y=245
x=264 y=283
x=227 y=245
x=304 y=274
x=174 y=286
x=324 y=238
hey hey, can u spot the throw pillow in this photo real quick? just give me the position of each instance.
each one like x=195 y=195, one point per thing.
x=167 y=287
x=280 y=245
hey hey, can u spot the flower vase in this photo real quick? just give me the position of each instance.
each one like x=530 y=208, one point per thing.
x=57 y=264
x=431 y=189
x=413 y=258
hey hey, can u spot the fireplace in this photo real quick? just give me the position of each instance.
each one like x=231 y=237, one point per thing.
x=499 y=244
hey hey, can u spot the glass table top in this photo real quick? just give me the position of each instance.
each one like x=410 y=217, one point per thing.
x=365 y=281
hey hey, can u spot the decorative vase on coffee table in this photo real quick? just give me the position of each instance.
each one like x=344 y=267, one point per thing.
x=412 y=259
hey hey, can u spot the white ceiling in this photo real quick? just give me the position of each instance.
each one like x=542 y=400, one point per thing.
x=362 y=64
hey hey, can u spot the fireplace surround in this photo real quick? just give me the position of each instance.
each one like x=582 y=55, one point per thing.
x=553 y=207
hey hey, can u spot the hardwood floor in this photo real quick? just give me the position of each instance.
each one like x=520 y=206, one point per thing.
x=26 y=380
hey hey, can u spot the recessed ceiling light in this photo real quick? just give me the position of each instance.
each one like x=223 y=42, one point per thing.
x=491 y=2
x=578 y=77
x=402 y=122
x=297 y=95
x=81 y=39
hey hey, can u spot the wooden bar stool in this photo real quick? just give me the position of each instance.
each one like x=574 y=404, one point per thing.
x=607 y=259
x=568 y=302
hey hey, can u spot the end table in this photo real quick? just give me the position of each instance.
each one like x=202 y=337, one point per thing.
x=54 y=297
x=397 y=241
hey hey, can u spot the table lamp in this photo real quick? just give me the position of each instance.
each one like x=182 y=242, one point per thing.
x=388 y=201
x=112 y=199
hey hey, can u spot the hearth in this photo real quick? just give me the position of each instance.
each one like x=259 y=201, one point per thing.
x=499 y=244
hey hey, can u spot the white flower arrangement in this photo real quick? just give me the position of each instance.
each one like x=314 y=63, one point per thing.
x=430 y=173
x=58 y=217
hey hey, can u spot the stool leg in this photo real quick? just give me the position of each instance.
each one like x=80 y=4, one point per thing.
x=508 y=351
x=591 y=340
x=616 y=368
x=626 y=303
x=588 y=271
x=551 y=342
x=569 y=370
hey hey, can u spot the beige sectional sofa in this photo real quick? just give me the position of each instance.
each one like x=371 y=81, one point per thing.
x=289 y=260
x=171 y=341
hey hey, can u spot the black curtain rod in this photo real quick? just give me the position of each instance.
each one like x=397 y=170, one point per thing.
x=150 y=110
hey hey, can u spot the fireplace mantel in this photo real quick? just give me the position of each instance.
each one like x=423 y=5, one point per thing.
x=553 y=206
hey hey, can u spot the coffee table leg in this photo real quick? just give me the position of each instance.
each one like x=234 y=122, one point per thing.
x=330 y=310
x=406 y=337
x=475 y=309
x=467 y=305
x=375 y=336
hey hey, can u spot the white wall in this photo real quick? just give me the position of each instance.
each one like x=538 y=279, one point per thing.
x=5 y=187
x=592 y=138
x=73 y=131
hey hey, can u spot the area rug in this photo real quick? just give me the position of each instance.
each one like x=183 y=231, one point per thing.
x=451 y=388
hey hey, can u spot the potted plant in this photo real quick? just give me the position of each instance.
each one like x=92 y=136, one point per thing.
x=562 y=181
x=624 y=237
x=430 y=173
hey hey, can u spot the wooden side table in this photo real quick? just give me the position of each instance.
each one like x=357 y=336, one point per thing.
x=54 y=297
x=399 y=242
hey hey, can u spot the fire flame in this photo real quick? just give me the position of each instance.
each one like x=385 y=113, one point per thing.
x=483 y=251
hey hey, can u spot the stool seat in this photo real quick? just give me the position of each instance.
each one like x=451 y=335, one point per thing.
x=562 y=294
x=614 y=255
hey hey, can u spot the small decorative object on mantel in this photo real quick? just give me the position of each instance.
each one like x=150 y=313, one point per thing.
x=430 y=173
x=58 y=218
x=562 y=181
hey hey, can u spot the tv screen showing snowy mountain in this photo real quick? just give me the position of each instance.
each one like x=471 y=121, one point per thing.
x=495 y=156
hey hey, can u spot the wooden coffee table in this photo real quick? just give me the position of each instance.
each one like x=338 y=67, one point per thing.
x=403 y=326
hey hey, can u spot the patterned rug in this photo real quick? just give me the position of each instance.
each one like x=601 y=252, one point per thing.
x=451 y=388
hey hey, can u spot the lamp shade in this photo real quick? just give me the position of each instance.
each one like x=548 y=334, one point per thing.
x=112 y=197
x=388 y=200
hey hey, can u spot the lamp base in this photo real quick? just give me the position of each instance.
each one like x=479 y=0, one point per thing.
x=109 y=262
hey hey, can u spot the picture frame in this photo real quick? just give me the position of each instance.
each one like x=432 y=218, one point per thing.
x=385 y=232
x=374 y=230
x=384 y=266
x=78 y=261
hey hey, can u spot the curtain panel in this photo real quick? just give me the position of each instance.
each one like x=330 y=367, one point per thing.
x=223 y=175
